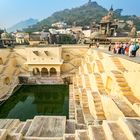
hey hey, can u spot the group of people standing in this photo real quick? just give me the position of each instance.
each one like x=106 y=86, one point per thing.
x=129 y=49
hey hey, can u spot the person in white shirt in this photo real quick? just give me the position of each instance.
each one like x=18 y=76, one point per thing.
x=130 y=49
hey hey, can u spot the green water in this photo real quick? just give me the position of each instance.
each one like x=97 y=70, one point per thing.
x=33 y=100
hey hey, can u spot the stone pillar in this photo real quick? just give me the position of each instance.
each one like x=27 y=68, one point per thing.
x=58 y=71
x=107 y=29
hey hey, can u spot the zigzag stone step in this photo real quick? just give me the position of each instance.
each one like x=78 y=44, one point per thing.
x=3 y=134
x=132 y=99
x=98 y=106
x=86 y=111
x=87 y=116
x=69 y=137
x=25 y=128
x=79 y=116
x=131 y=127
x=96 y=132
x=70 y=127
x=20 y=126
x=124 y=107
x=8 y=123
x=14 y=137
x=38 y=138
x=47 y=126
x=100 y=66
x=117 y=132
x=82 y=135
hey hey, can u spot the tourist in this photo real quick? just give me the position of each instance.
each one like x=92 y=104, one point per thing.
x=123 y=48
x=109 y=47
x=131 y=47
x=97 y=44
x=127 y=48
x=120 y=46
x=134 y=49
x=115 y=48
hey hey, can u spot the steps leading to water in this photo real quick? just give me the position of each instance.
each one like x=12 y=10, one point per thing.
x=124 y=107
x=118 y=64
x=96 y=132
x=82 y=135
x=86 y=111
x=98 y=106
x=45 y=126
x=113 y=131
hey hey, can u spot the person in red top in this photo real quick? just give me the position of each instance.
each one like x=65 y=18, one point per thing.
x=126 y=49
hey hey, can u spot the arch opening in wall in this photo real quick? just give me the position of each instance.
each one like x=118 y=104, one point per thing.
x=109 y=84
x=6 y=81
x=53 y=72
x=1 y=61
x=44 y=72
x=67 y=57
x=36 y=71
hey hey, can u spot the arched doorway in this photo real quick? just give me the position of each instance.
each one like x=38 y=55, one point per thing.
x=44 y=72
x=53 y=72
x=6 y=81
x=36 y=71
x=1 y=61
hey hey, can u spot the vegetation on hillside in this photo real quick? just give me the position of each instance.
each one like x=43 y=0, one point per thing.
x=83 y=15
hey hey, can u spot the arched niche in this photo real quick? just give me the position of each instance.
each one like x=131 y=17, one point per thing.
x=36 y=71
x=6 y=81
x=44 y=72
x=53 y=72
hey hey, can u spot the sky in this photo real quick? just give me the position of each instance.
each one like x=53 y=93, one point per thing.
x=14 y=11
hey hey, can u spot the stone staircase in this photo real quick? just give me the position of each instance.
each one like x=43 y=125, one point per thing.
x=124 y=107
x=78 y=109
x=89 y=68
x=86 y=111
x=71 y=103
x=118 y=64
x=82 y=135
x=99 y=84
x=125 y=88
x=87 y=82
x=123 y=129
x=83 y=124
x=96 y=132
x=98 y=106
x=58 y=128
x=113 y=131
x=100 y=66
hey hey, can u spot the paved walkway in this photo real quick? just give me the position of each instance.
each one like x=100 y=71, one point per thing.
x=133 y=59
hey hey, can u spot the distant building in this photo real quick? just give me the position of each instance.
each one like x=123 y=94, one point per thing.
x=22 y=38
x=1 y=44
x=7 y=39
x=60 y=25
x=121 y=23
x=108 y=26
x=44 y=36
x=35 y=36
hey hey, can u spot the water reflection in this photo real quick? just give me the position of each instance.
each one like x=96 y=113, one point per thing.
x=33 y=100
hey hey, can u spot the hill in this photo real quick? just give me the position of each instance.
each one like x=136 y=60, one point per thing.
x=22 y=24
x=83 y=15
